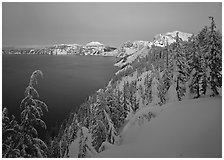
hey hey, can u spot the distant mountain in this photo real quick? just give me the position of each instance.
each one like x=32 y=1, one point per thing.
x=128 y=52
x=94 y=44
x=61 y=49
x=132 y=50
x=92 y=48
x=97 y=48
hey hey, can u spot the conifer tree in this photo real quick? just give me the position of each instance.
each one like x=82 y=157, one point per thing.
x=119 y=113
x=155 y=88
x=196 y=70
x=203 y=41
x=148 y=88
x=23 y=137
x=85 y=143
x=10 y=136
x=179 y=67
x=214 y=58
x=32 y=111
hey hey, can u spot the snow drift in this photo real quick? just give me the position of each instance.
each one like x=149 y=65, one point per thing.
x=190 y=128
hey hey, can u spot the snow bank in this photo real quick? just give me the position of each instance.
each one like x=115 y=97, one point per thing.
x=74 y=148
x=190 y=128
x=105 y=146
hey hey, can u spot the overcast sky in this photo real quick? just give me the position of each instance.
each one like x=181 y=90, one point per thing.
x=109 y=23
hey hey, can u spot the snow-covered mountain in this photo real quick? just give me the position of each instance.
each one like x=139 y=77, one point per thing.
x=62 y=49
x=128 y=52
x=97 y=48
x=92 y=48
x=59 y=49
x=97 y=44
x=162 y=40
x=132 y=50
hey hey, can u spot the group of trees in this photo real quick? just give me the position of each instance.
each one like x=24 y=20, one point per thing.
x=174 y=72
x=177 y=71
x=183 y=69
x=191 y=68
x=21 y=139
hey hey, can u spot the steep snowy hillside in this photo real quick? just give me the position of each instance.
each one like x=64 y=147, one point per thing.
x=163 y=102
x=132 y=54
x=132 y=50
x=129 y=48
x=191 y=128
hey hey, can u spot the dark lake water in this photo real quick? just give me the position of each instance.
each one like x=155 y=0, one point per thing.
x=67 y=81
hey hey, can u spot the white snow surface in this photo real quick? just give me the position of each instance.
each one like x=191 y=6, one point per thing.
x=94 y=44
x=189 y=128
x=105 y=146
x=74 y=148
x=169 y=37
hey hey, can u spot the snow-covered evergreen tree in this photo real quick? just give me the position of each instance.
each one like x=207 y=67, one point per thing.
x=148 y=89
x=21 y=140
x=118 y=112
x=10 y=136
x=195 y=69
x=98 y=130
x=111 y=131
x=85 y=144
x=179 y=67
x=155 y=91
x=32 y=111
x=214 y=48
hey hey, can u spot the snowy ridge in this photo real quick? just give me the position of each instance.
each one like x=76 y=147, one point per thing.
x=162 y=40
x=132 y=50
x=92 y=48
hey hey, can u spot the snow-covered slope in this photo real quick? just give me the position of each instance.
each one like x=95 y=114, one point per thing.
x=161 y=40
x=132 y=50
x=132 y=54
x=190 y=128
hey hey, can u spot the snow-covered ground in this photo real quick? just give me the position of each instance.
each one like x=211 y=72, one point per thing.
x=190 y=128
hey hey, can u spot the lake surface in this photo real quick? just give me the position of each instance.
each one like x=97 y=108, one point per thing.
x=67 y=81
